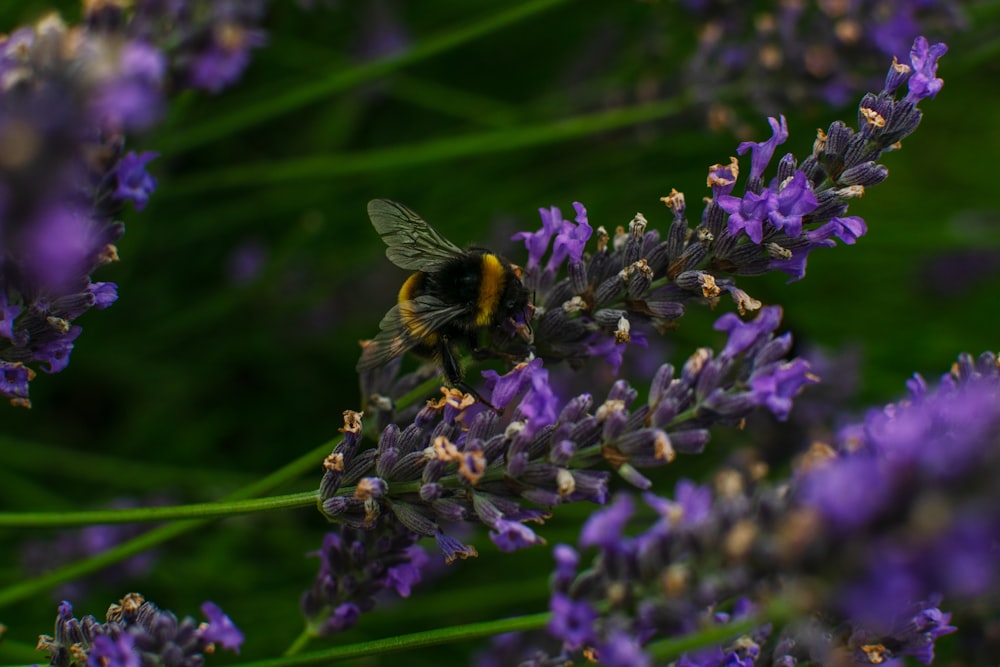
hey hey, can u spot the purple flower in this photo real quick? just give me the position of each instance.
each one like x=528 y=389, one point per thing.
x=572 y=621
x=742 y=335
x=132 y=98
x=832 y=490
x=537 y=243
x=220 y=629
x=848 y=229
x=407 y=574
x=227 y=55
x=923 y=83
x=513 y=535
x=775 y=386
x=540 y=405
x=795 y=199
x=356 y=565
x=747 y=214
x=504 y=388
x=134 y=182
x=762 y=152
x=604 y=527
x=108 y=652
x=620 y=649
x=571 y=239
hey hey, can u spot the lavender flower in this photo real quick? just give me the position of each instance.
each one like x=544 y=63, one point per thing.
x=135 y=633
x=69 y=96
x=461 y=461
x=795 y=54
x=635 y=282
x=867 y=571
x=355 y=566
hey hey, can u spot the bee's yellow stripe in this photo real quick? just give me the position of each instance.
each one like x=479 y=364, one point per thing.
x=491 y=287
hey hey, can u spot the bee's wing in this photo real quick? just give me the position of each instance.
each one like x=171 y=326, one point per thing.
x=411 y=243
x=406 y=325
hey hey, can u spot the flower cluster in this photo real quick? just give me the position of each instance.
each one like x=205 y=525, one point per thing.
x=137 y=632
x=636 y=278
x=461 y=461
x=798 y=53
x=355 y=566
x=70 y=95
x=866 y=571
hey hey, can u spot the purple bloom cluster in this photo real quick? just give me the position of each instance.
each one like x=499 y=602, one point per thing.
x=460 y=460
x=68 y=97
x=355 y=566
x=136 y=633
x=796 y=54
x=635 y=282
x=929 y=465
x=865 y=540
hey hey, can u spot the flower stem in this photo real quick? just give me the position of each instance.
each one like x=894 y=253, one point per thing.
x=413 y=155
x=145 y=514
x=31 y=587
x=409 y=642
x=180 y=139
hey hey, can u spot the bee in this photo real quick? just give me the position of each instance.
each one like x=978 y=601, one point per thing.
x=454 y=297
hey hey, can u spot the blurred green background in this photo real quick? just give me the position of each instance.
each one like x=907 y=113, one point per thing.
x=205 y=376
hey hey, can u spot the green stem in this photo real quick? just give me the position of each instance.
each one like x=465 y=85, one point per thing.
x=146 y=514
x=409 y=156
x=409 y=642
x=778 y=612
x=300 y=643
x=269 y=107
x=31 y=587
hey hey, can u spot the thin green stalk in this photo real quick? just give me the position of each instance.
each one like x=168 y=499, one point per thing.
x=409 y=156
x=58 y=462
x=31 y=587
x=181 y=139
x=212 y=510
x=451 y=101
x=409 y=642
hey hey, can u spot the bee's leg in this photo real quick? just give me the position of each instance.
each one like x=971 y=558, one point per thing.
x=453 y=372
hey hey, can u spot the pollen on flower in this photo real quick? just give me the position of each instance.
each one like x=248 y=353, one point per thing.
x=471 y=466
x=662 y=449
x=575 y=305
x=873 y=118
x=457 y=399
x=876 y=653
x=565 y=483
x=729 y=484
x=602 y=239
x=716 y=173
x=740 y=539
x=622 y=332
x=851 y=192
x=820 y=144
x=109 y=254
x=675 y=200
x=708 y=286
x=352 y=422
x=778 y=252
x=674 y=580
x=444 y=450
x=334 y=462
x=608 y=408
x=130 y=604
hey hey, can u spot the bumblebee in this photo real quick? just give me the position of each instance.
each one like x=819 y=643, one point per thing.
x=454 y=297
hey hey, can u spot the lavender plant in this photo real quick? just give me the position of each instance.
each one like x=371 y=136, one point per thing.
x=796 y=54
x=70 y=96
x=759 y=566
x=137 y=632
